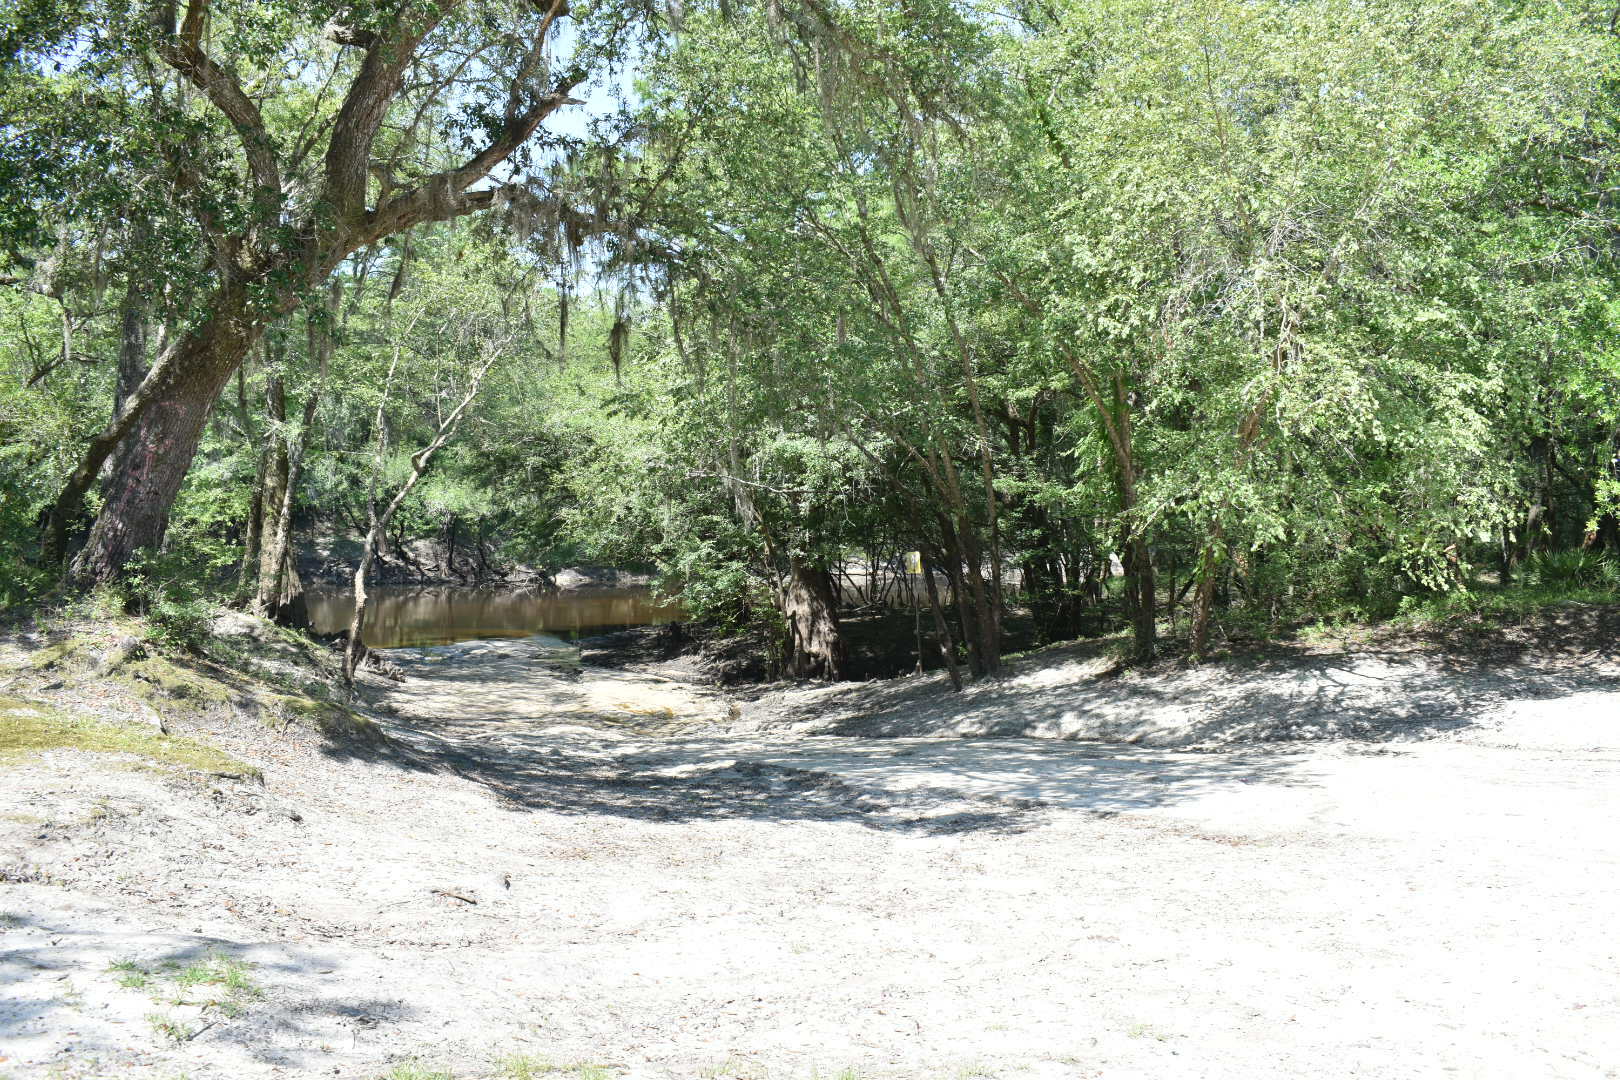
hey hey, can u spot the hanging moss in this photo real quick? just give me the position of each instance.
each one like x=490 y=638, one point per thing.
x=617 y=338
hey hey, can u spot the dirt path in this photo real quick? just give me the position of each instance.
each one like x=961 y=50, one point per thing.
x=617 y=875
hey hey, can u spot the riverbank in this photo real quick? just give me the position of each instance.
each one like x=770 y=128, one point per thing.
x=541 y=867
x=328 y=558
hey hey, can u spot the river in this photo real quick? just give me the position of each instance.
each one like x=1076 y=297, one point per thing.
x=407 y=616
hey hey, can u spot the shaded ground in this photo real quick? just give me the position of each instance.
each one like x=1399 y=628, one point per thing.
x=611 y=868
x=881 y=644
x=1400 y=688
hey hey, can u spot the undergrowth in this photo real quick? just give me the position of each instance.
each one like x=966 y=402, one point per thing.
x=254 y=669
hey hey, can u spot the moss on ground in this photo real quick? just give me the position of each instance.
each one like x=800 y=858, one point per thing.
x=28 y=728
x=263 y=670
x=162 y=683
x=65 y=653
x=337 y=722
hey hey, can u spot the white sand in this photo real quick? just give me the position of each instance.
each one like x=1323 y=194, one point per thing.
x=665 y=898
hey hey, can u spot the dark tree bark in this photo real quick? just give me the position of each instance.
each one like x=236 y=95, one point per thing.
x=450 y=547
x=253 y=527
x=131 y=345
x=1203 y=601
x=1140 y=587
x=280 y=595
x=274 y=490
x=947 y=647
x=253 y=533
x=977 y=605
x=161 y=445
x=816 y=649
x=1141 y=591
x=1537 y=517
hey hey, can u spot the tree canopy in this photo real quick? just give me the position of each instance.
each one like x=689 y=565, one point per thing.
x=1119 y=314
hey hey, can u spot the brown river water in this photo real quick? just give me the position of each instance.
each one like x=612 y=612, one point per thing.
x=408 y=616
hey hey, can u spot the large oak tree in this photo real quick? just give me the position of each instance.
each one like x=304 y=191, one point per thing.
x=295 y=134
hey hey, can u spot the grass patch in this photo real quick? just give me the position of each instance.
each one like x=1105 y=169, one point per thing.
x=165 y=684
x=1501 y=604
x=730 y=1069
x=59 y=654
x=28 y=728
x=130 y=975
x=217 y=969
x=169 y=1028
x=224 y=983
x=268 y=671
x=523 y=1067
x=411 y=1070
x=526 y=1067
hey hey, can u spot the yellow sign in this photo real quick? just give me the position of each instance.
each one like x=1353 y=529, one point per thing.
x=913 y=562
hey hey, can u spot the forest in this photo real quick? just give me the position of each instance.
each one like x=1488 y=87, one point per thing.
x=809 y=539
x=1186 y=320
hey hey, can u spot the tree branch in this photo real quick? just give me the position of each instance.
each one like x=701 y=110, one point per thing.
x=444 y=195
x=348 y=153
x=350 y=35
x=185 y=54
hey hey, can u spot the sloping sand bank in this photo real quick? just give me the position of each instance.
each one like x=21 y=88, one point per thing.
x=618 y=872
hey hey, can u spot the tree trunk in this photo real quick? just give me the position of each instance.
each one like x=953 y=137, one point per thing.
x=132 y=370
x=159 y=448
x=281 y=591
x=450 y=548
x=253 y=527
x=1142 y=599
x=276 y=463
x=355 y=650
x=986 y=598
x=947 y=647
x=484 y=574
x=976 y=603
x=816 y=649
x=248 y=579
x=1536 y=527
x=131 y=347
x=280 y=594
x=1140 y=590
x=1203 y=601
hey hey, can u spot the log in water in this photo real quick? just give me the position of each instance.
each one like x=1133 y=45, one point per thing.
x=404 y=616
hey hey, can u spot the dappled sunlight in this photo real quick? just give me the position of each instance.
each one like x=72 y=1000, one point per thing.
x=520 y=718
x=79 y=986
x=1287 y=697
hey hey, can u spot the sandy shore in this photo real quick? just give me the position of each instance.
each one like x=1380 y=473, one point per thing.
x=616 y=874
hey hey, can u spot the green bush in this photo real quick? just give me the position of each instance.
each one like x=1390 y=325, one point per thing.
x=173 y=597
x=1566 y=569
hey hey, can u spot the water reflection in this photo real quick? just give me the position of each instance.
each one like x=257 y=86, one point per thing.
x=402 y=616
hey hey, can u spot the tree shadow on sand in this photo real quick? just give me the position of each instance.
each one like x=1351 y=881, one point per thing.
x=1273 y=698
x=910 y=756
x=267 y=1025
x=916 y=786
